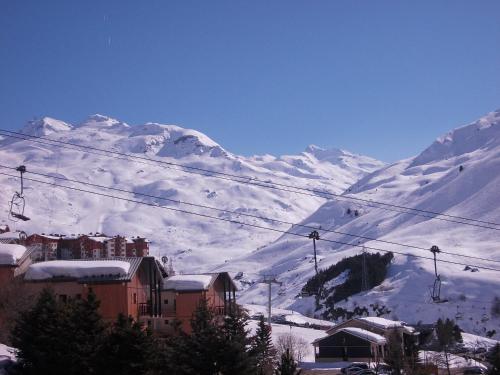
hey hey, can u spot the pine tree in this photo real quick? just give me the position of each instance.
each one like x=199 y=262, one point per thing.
x=494 y=360
x=204 y=343
x=447 y=334
x=236 y=356
x=40 y=349
x=263 y=349
x=287 y=365
x=58 y=338
x=127 y=349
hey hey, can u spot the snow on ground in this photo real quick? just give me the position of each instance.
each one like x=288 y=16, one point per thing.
x=195 y=244
x=76 y=269
x=455 y=361
x=188 y=282
x=471 y=341
x=307 y=334
x=456 y=175
x=9 y=254
x=7 y=351
x=288 y=315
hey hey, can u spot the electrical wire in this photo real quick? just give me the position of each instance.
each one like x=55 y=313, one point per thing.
x=248 y=224
x=261 y=183
x=248 y=215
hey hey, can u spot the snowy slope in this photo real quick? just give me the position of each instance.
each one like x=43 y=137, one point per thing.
x=433 y=181
x=196 y=244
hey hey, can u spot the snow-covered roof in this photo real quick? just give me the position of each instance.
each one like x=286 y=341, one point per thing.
x=364 y=334
x=76 y=269
x=188 y=282
x=10 y=253
x=385 y=323
x=382 y=322
x=99 y=238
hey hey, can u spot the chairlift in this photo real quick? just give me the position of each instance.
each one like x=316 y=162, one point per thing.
x=17 y=203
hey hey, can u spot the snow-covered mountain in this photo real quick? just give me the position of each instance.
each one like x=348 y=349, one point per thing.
x=459 y=174
x=197 y=244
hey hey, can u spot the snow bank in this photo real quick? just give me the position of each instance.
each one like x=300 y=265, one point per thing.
x=9 y=254
x=76 y=269
x=188 y=282
x=438 y=358
x=364 y=334
x=471 y=341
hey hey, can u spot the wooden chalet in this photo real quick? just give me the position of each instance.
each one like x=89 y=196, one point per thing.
x=360 y=339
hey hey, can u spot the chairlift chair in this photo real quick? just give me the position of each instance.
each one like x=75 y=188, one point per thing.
x=17 y=203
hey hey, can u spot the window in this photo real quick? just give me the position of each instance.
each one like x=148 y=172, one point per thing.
x=166 y=322
x=175 y=305
x=78 y=296
x=165 y=302
x=134 y=298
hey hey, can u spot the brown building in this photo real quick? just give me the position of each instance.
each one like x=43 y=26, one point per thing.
x=359 y=339
x=182 y=294
x=122 y=286
x=44 y=247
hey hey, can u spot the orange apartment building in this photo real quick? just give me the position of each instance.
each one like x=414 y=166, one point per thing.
x=92 y=246
x=122 y=286
x=182 y=294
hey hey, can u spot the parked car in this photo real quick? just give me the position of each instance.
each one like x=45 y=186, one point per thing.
x=357 y=365
x=474 y=371
x=382 y=369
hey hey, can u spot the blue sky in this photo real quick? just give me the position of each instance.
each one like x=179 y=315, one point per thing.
x=383 y=78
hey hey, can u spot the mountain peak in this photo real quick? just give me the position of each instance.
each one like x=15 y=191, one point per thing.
x=99 y=120
x=480 y=134
x=45 y=126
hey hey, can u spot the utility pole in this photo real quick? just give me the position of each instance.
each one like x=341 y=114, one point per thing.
x=364 y=271
x=269 y=280
x=314 y=235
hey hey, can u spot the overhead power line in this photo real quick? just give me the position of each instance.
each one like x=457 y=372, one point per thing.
x=264 y=218
x=247 y=224
x=258 y=182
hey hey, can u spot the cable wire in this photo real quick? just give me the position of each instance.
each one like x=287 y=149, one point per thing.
x=261 y=183
x=309 y=227
x=248 y=224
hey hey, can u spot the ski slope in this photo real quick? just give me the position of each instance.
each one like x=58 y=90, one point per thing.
x=196 y=244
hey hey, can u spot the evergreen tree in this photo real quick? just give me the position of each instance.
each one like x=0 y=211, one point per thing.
x=58 y=338
x=394 y=355
x=448 y=333
x=494 y=360
x=127 y=349
x=203 y=346
x=236 y=355
x=263 y=349
x=287 y=365
x=40 y=349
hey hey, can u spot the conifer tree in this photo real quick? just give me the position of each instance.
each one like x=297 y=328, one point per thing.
x=236 y=355
x=494 y=359
x=263 y=349
x=127 y=349
x=287 y=365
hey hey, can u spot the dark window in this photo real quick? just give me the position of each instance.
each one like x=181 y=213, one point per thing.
x=135 y=298
x=166 y=321
x=165 y=302
x=175 y=305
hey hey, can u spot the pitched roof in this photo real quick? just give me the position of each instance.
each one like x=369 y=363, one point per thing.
x=87 y=270
x=194 y=282
x=358 y=332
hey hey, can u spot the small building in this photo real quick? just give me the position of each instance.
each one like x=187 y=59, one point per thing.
x=14 y=260
x=122 y=286
x=44 y=247
x=4 y=228
x=360 y=339
x=182 y=294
